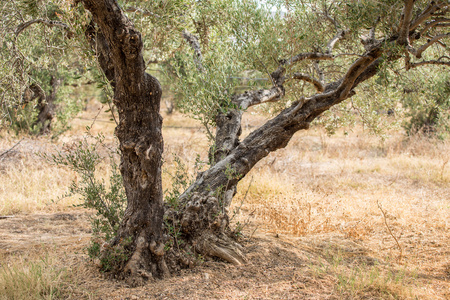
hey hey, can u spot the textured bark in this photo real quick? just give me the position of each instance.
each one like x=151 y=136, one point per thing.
x=137 y=97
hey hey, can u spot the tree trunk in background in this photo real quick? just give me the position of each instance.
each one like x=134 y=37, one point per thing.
x=45 y=104
x=47 y=107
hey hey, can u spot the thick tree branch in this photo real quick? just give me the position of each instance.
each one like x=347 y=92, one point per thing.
x=418 y=52
x=404 y=27
x=276 y=133
x=426 y=13
x=439 y=62
x=317 y=83
x=439 y=22
x=356 y=70
x=49 y=23
x=251 y=98
x=369 y=72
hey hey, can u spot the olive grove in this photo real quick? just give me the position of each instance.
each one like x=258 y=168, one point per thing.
x=314 y=55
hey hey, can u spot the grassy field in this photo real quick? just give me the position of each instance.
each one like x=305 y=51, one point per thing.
x=340 y=217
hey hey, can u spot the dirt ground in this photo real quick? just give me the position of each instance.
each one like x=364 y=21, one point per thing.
x=313 y=228
x=279 y=266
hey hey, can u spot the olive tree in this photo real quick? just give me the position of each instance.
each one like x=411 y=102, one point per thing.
x=40 y=66
x=331 y=46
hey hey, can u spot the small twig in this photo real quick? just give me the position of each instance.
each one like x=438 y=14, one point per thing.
x=6 y=217
x=49 y=23
x=253 y=232
x=393 y=181
x=208 y=131
x=96 y=116
x=390 y=231
x=10 y=149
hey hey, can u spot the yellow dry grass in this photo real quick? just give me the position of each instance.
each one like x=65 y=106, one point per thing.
x=319 y=188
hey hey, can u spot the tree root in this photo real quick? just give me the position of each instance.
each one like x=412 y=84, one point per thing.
x=146 y=262
x=221 y=246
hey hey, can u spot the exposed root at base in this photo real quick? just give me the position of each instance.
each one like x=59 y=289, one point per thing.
x=220 y=246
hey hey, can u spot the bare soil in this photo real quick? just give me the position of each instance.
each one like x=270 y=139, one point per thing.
x=313 y=229
x=279 y=266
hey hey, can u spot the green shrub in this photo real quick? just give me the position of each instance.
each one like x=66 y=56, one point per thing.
x=428 y=106
x=108 y=202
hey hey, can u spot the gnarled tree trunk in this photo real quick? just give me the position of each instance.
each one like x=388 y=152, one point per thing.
x=153 y=239
x=139 y=244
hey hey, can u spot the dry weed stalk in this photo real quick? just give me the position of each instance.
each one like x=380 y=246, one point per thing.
x=10 y=149
x=390 y=231
x=443 y=167
x=240 y=227
x=238 y=209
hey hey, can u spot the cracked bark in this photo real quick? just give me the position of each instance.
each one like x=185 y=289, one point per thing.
x=137 y=97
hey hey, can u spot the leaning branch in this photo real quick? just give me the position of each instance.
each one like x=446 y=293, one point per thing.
x=49 y=23
x=10 y=149
x=317 y=83
x=426 y=13
x=195 y=45
x=278 y=75
x=390 y=231
x=438 y=62
x=358 y=67
x=439 y=22
x=251 y=98
x=403 y=31
x=340 y=35
x=418 y=52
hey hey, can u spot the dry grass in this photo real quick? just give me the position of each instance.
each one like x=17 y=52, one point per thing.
x=331 y=185
x=28 y=183
x=31 y=279
x=318 y=194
